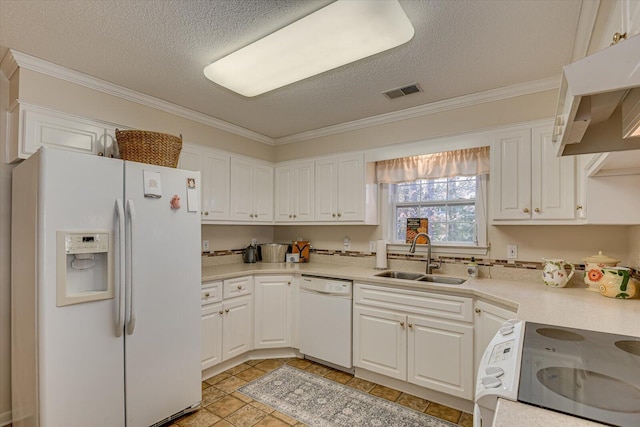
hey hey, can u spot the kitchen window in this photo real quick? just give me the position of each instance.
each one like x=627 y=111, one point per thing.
x=449 y=189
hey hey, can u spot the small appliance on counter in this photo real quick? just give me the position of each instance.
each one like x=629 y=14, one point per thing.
x=302 y=248
x=251 y=254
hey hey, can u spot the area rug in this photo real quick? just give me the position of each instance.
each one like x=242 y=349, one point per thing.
x=320 y=402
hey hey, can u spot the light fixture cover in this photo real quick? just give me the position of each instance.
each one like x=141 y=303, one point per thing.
x=338 y=34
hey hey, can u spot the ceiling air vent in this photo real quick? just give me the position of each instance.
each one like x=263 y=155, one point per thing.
x=403 y=91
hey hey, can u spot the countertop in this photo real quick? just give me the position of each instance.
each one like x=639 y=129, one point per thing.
x=533 y=301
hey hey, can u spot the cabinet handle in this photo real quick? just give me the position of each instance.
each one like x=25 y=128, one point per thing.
x=410 y=325
x=220 y=312
x=525 y=210
x=402 y=324
x=101 y=154
x=478 y=310
x=579 y=207
x=289 y=283
x=239 y=286
x=290 y=216
x=537 y=210
x=333 y=215
x=206 y=213
x=295 y=216
x=207 y=294
x=339 y=215
x=226 y=310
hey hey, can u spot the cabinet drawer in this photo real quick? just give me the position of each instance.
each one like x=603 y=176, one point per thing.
x=419 y=302
x=211 y=292
x=237 y=287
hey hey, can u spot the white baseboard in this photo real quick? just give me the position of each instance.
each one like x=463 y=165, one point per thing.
x=5 y=418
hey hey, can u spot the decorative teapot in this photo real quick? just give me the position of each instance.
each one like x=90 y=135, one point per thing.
x=593 y=269
x=554 y=273
x=616 y=282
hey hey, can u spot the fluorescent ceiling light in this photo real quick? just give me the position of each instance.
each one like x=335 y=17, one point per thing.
x=343 y=32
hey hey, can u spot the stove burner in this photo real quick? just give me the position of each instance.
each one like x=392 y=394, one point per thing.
x=629 y=346
x=560 y=334
x=591 y=388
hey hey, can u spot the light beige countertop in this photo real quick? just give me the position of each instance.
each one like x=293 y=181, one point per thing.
x=571 y=307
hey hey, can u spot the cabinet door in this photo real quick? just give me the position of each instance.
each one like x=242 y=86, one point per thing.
x=240 y=200
x=488 y=319
x=326 y=190
x=351 y=188
x=272 y=315
x=215 y=186
x=237 y=327
x=552 y=179
x=284 y=193
x=262 y=193
x=511 y=175
x=211 y=335
x=380 y=341
x=304 y=176
x=440 y=355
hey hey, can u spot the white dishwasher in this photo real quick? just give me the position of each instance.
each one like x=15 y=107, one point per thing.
x=325 y=320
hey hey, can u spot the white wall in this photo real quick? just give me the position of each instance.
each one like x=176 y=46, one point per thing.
x=223 y=237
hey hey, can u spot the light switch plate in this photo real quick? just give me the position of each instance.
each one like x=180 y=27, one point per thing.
x=205 y=246
x=512 y=251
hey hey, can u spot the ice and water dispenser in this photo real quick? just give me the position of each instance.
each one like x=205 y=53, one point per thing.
x=84 y=266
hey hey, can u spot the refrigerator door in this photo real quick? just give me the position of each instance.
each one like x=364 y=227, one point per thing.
x=162 y=341
x=80 y=357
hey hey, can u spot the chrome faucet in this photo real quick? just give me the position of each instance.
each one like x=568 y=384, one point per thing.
x=412 y=249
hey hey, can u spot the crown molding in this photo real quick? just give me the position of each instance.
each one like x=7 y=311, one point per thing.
x=427 y=109
x=8 y=64
x=35 y=64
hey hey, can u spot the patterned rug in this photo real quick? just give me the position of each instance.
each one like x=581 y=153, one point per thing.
x=320 y=402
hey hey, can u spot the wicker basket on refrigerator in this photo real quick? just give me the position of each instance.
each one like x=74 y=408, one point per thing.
x=154 y=148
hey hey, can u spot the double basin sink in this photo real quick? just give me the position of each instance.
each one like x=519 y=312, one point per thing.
x=419 y=277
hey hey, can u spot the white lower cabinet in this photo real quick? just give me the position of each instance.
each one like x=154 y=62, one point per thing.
x=273 y=311
x=227 y=320
x=488 y=319
x=422 y=338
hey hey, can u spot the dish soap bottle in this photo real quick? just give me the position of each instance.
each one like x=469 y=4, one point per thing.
x=472 y=268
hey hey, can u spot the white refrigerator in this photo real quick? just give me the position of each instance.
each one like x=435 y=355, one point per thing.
x=105 y=292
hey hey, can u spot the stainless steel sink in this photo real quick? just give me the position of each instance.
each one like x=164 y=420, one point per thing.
x=441 y=279
x=420 y=277
x=400 y=275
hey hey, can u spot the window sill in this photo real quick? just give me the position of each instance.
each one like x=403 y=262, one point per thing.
x=439 y=249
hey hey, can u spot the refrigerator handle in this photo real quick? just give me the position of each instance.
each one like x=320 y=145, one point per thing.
x=131 y=317
x=121 y=273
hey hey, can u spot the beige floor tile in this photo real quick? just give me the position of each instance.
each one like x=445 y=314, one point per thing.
x=282 y=417
x=231 y=384
x=236 y=369
x=385 y=392
x=253 y=362
x=339 y=377
x=225 y=406
x=466 y=420
x=217 y=378
x=262 y=407
x=205 y=385
x=246 y=416
x=444 y=412
x=300 y=363
x=412 y=402
x=201 y=418
x=250 y=374
x=243 y=397
x=318 y=369
x=223 y=423
x=269 y=364
x=211 y=394
x=360 y=384
x=270 y=421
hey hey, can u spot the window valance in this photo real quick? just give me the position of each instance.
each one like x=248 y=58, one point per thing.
x=465 y=162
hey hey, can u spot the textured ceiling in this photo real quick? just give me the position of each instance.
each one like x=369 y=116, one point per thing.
x=160 y=48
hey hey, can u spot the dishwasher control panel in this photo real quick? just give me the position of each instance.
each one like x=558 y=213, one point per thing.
x=326 y=286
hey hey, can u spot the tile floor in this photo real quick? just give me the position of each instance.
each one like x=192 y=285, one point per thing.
x=223 y=406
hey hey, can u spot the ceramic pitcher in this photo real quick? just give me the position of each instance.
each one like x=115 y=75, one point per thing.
x=617 y=283
x=554 y=273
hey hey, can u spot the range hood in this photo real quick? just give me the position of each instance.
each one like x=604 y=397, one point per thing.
x=599 y=104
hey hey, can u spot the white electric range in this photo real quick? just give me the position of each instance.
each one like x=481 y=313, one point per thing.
x=592 y=375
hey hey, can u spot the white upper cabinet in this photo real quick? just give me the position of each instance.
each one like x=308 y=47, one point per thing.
x=251 y=197
x=214 y=169
x=294 y=199
x=341 y=191
x=528 y=182
x=31 y=127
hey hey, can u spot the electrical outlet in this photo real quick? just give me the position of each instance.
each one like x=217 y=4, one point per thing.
x=346 y=243
x=254 y=241
x=205 y=246
x=512 y=251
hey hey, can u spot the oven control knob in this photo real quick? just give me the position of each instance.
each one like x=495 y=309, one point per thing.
x=494 y=371
x=506 y=330
x=491 y=382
